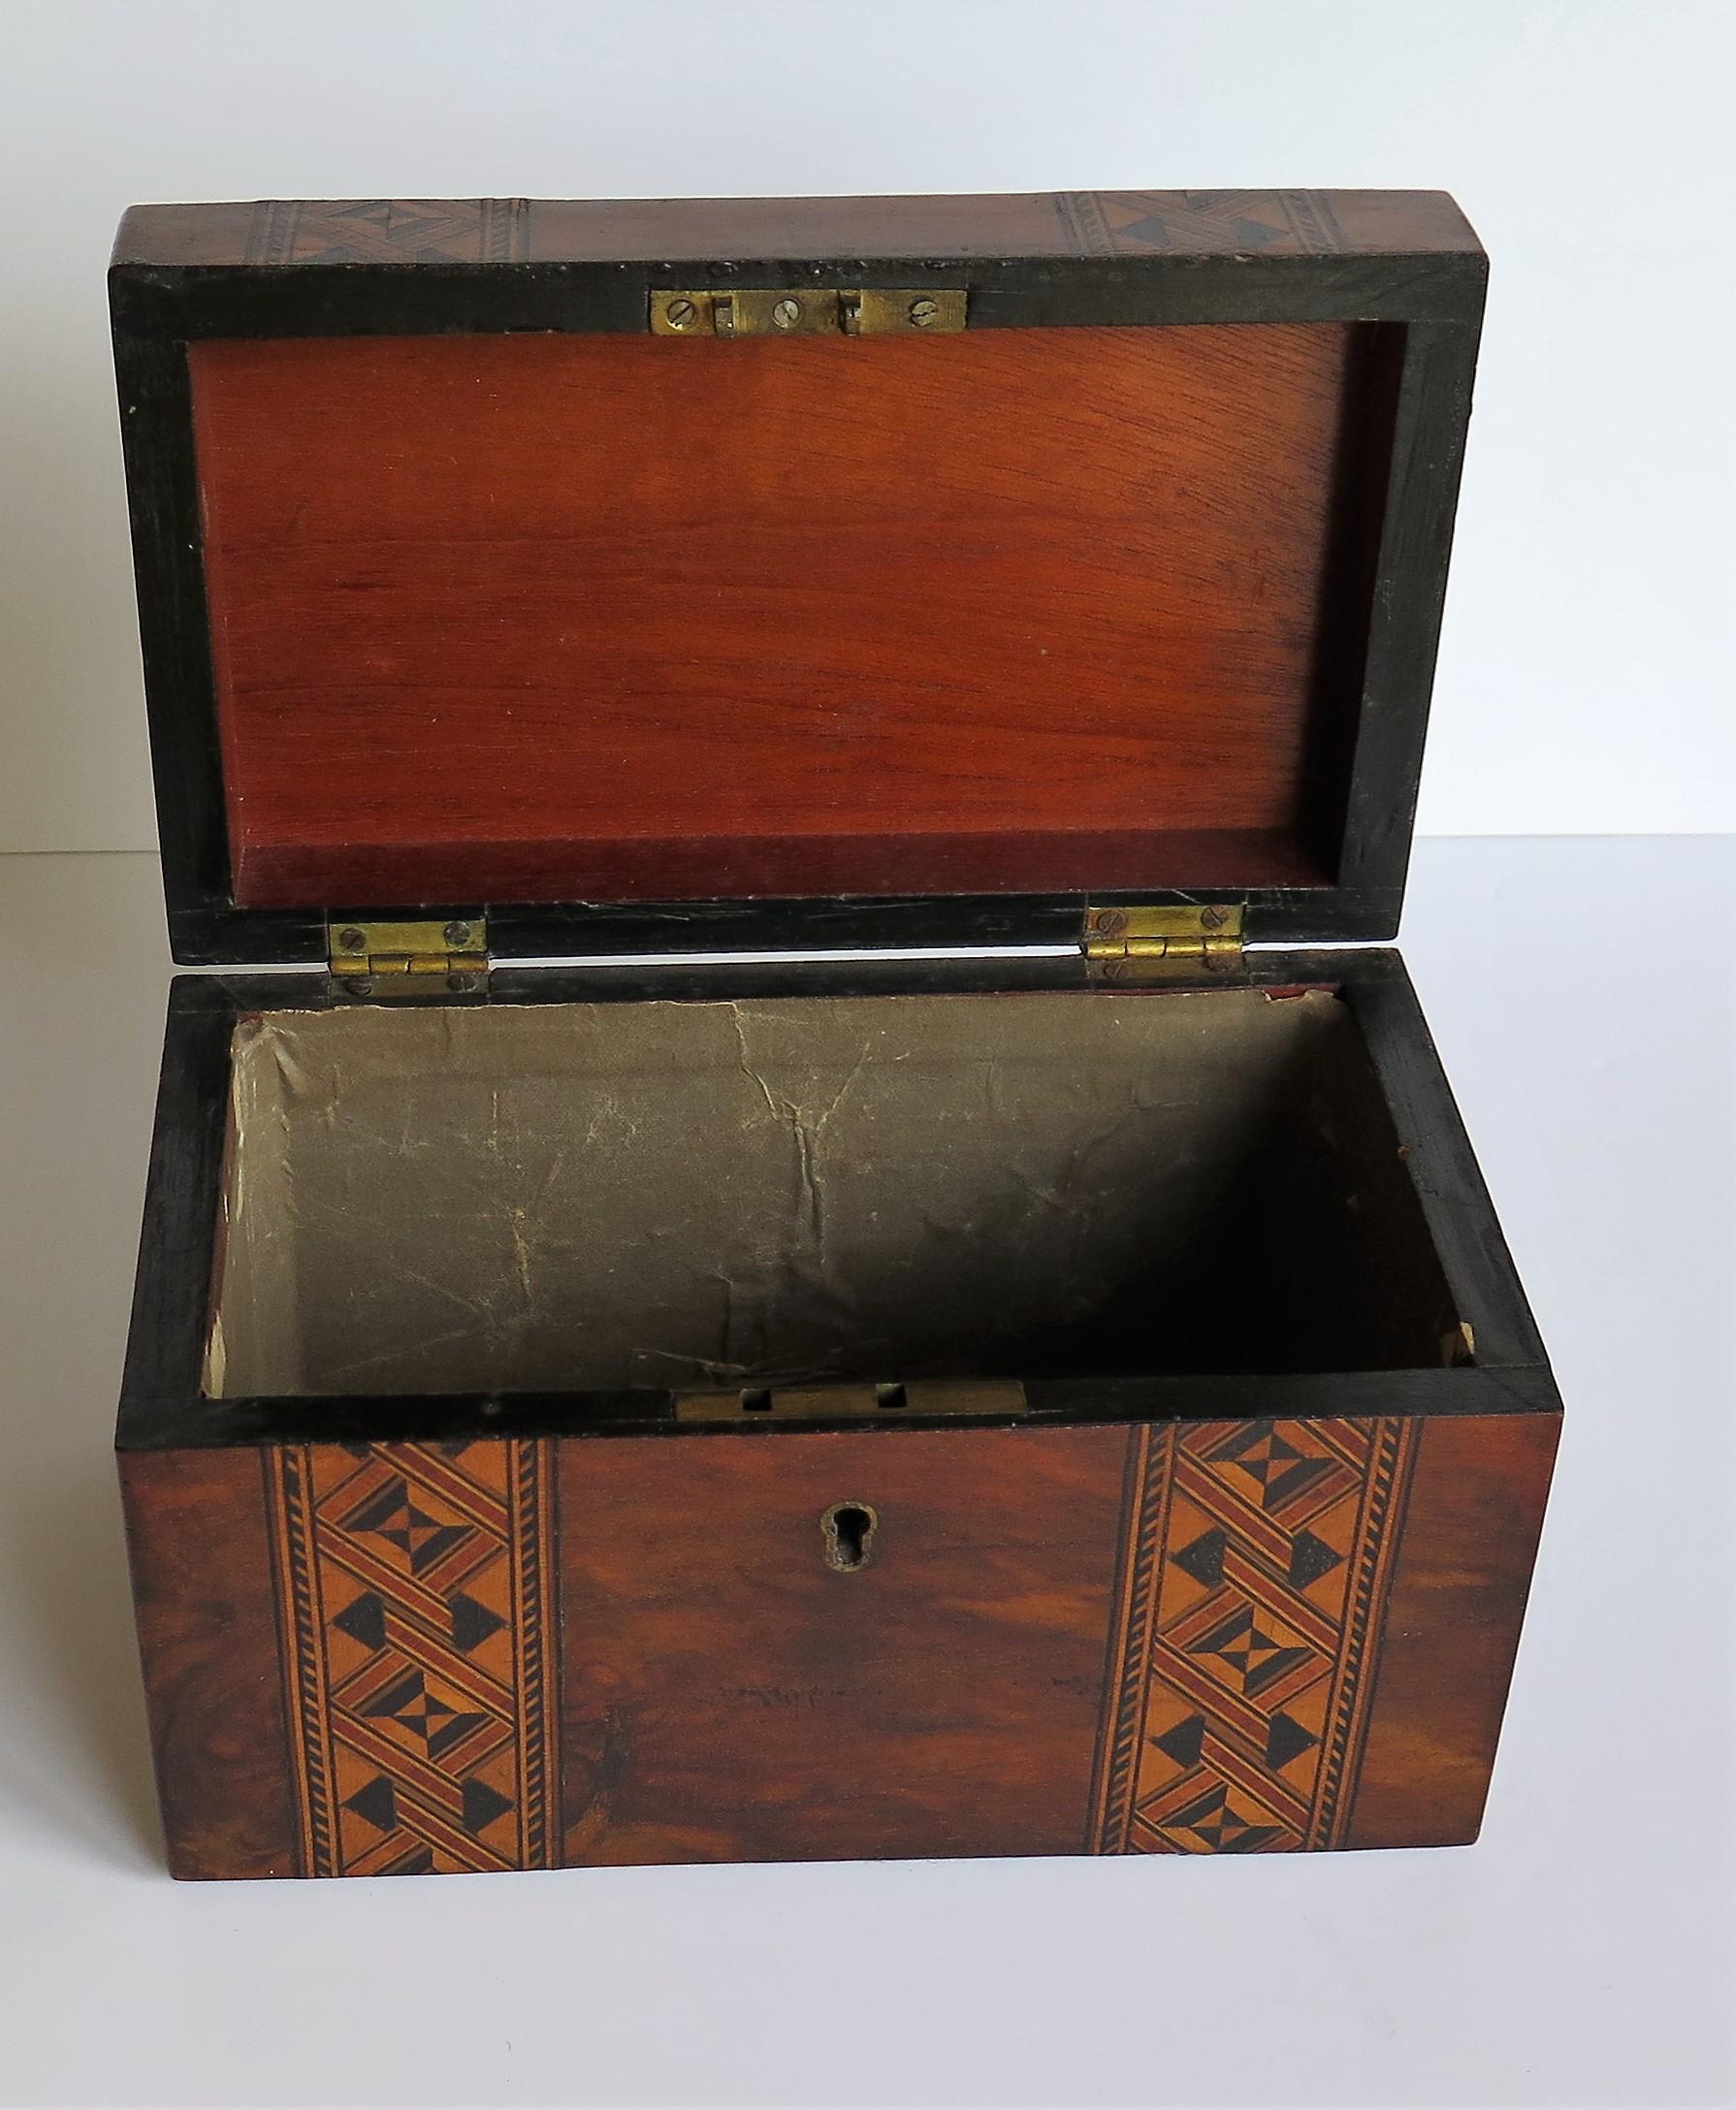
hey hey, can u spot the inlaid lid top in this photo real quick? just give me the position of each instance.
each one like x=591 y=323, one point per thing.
x=867 y=567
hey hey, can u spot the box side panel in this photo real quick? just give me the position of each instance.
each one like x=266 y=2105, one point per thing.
x=730 y=1695
x=201 y=1550
x=1458 y=1589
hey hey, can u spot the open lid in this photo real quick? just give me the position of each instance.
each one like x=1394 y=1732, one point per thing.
x=828 y=572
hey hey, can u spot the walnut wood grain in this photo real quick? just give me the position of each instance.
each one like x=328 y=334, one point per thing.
x=512 y=616
x=1457 y=1600
x=209 y=1638
x=728 y=1696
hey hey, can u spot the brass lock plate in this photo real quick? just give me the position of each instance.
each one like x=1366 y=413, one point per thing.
x=808 y=312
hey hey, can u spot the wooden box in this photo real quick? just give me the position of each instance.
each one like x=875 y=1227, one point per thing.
x=604 y=1388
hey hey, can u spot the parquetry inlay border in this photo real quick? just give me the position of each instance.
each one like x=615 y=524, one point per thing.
x=415 y=1595
x=1200 y=222
x=389 y=231
x=1247 y=1623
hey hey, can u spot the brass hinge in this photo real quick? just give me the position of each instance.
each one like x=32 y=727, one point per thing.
x=1124 y=944
x=449 y=957
x=808 y=312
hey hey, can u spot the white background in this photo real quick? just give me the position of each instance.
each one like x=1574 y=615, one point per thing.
x=1586 y=670
x=1582 y=1954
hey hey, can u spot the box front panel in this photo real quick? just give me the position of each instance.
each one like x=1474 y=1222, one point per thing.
x=1245 y=1636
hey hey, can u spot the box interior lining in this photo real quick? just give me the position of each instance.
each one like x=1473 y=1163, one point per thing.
x=600 y=1196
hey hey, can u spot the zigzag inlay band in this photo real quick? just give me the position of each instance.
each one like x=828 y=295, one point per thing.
x=1256 y=1564
x=414 y=1590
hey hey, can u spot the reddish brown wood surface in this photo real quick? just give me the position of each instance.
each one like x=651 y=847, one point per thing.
x=728 y=1696
x=552 y=617
x=1452 y=1628
x=208 y=1633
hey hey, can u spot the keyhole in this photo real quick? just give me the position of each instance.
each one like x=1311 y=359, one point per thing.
x=849 y=1531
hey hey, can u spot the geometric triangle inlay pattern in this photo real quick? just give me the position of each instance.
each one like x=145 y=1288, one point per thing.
x=1246 y=1631
x=1200 y=222
x=414 y=1596
x=389 y=231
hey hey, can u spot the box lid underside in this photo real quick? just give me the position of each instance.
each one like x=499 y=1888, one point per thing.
x=599 y=620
